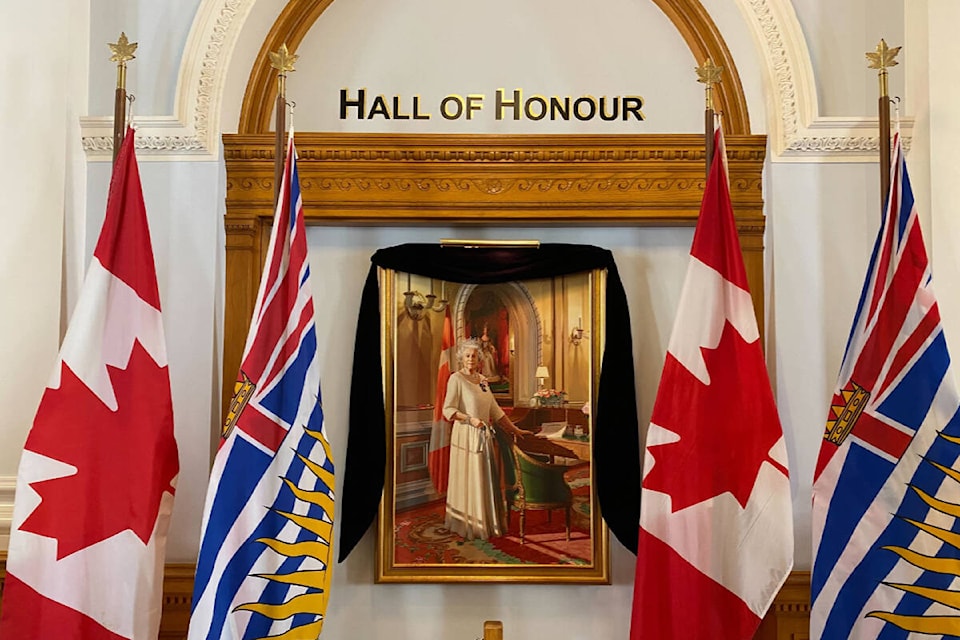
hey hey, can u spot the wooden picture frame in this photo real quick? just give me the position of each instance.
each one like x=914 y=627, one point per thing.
x=489 y=507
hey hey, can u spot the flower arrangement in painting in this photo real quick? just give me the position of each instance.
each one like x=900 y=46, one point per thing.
x=550 y=397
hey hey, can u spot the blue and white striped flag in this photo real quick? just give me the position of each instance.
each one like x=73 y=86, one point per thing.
x=263 y=569
x=886 y=493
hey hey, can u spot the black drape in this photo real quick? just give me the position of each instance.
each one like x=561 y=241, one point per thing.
x=615 y=436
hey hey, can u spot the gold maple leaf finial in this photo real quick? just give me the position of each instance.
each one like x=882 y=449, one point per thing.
x=122 y=49
x=709 y=73
x=883 y=57
x=282 y=60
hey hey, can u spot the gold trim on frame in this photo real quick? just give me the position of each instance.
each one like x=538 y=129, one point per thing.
x=387 y=571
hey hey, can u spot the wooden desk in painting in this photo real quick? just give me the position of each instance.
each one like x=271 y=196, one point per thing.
x=569 y=421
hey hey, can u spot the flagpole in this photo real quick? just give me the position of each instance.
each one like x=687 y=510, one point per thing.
x=122 y=51
x=709 y=74
x=881 y=59
x=281 y=60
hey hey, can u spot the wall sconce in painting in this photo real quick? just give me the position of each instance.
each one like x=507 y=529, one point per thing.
x=577 y=334
x=416 y=303
x=541 y=375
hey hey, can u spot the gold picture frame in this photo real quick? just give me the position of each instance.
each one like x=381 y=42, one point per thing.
x=541 y=523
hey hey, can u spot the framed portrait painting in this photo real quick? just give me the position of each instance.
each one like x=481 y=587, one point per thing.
x=488 y=391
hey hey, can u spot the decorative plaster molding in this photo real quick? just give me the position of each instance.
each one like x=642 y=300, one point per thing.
x=797 y=132
x=193 y=132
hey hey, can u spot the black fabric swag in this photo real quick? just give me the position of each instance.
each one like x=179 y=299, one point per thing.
x=615 y=435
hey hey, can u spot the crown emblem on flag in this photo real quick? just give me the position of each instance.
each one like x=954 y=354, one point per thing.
x=242 y=390
x=845 y=411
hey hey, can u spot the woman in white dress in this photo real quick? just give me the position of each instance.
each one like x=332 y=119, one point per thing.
x=474 y=500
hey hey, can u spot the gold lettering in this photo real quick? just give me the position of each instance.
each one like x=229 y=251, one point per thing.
x=416 y=110
x=539 y=112
x=457 y=101
x=474 y=103
x=346 y=103
x=514 y=104
x=633 y=104
x=556 y=107
x=591 y=103
x=379 y=108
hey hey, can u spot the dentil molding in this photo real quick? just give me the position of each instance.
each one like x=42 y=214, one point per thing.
x=796 y=130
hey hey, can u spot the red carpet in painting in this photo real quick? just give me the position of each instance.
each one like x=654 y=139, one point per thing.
x=421 y=537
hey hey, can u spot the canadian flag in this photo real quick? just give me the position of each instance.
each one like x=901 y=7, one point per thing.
x=96 y=480
x=438 y=458
x=716 y=524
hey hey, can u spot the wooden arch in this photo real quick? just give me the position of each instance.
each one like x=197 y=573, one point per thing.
x=407 y=179
x=298 y=16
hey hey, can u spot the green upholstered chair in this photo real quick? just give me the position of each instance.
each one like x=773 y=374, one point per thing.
x=531 y=483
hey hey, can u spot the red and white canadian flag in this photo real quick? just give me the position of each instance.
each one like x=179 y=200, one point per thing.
x=438 y=458
x=96 y=481
x=716 y=524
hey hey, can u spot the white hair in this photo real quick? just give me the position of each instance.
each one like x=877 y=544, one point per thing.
x=467 y=343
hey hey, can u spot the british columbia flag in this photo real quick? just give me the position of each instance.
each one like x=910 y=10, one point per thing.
x=886 y=491
x=263 y=569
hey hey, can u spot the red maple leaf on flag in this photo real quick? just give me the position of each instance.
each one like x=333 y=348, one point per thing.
x=726 y=428
x=125 y=459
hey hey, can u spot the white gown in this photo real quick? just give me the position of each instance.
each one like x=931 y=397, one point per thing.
x=474 y=503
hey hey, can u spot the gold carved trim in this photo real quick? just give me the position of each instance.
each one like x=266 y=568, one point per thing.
x=688 y=16
x=422 y=178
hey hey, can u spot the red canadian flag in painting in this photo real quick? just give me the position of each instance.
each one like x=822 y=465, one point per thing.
x=438 y=459
x=96 y=480
x=716 y=524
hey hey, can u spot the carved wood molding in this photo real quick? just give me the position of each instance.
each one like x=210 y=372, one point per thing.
x=404 y=179
x=705 y=41
x=290 y=28
x=689 y=17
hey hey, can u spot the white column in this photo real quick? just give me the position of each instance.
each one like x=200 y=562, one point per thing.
x=933 y=74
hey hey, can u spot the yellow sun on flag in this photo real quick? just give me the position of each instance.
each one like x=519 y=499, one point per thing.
x=314 y=602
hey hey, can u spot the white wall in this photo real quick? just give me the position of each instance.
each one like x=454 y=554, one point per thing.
x=42 y=180
x=821 y=220
x=184 y=204
x=160 y=29
x=838 y=35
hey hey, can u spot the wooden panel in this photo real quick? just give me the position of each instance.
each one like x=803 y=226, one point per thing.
x=243 y=265
x=788 y=619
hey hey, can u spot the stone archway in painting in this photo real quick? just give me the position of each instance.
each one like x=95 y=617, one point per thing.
x=523 y=345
